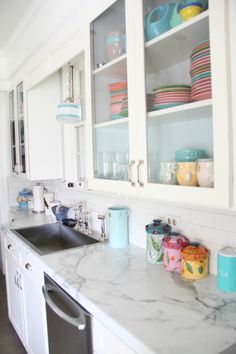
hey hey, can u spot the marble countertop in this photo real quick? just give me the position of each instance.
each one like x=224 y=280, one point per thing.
x=149 y=309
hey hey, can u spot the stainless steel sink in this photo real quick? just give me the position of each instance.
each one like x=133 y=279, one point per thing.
x=50 y=238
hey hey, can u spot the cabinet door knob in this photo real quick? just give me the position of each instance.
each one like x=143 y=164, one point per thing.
x=140 y=163
x=9 y=247
x=132 y=163
x=28 y=266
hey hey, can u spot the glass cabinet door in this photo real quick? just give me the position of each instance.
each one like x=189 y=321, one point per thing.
x=178 y=94
x=110 y=94
x=20 y=126
x=12 y=131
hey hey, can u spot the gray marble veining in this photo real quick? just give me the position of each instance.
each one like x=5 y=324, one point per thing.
x=151 y=310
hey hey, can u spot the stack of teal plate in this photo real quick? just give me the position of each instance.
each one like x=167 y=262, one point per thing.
x=171 y=95
x=118 y=92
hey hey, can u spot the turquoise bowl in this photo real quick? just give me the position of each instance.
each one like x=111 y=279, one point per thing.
x=189 y=155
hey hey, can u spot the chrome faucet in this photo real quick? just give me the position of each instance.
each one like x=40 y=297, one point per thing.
x=102 y=218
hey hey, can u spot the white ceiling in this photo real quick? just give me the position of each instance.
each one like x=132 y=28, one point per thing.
x=11 y=12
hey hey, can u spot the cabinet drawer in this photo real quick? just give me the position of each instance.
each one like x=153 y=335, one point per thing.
x=105 y=342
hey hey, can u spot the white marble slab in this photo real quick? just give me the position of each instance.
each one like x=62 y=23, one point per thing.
x=153 y=311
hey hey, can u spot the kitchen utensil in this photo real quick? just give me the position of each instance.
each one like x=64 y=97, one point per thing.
x=158 y=21
x=226 y=265
x=205 y=173
x=195 y=262
x=173 y=244
x=118 y=226
x=155 y=234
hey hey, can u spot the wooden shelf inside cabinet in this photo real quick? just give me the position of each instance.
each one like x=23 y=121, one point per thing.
x=175 y=45
x=112 y=123
x=186 y=112
x=116 y=67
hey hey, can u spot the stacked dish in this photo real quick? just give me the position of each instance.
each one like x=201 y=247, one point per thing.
x=200 y=71
x=150 y=101
x=171 y=95
x=124 y=108
x=118 y=92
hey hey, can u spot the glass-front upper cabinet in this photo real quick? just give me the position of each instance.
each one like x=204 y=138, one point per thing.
x=110 y=94
x=186 y=100
x=17 y=130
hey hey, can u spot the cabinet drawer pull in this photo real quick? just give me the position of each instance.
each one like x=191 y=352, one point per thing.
x=9 y=247
x=140 y=163
x=132 y=163
x=28 y=266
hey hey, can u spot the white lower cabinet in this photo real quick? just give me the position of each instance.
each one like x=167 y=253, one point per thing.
x=26 y=308
x=105 y=342
x=14 y=292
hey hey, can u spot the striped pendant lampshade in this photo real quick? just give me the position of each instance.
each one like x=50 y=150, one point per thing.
x=68 y=111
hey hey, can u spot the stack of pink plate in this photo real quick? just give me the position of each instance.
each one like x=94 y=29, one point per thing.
x=118 y=93
x=171 y=95
x=200 y=71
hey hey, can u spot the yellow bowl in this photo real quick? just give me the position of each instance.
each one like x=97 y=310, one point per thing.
x=190 y=11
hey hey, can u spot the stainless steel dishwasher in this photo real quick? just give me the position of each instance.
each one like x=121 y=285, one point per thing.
x=69 y=324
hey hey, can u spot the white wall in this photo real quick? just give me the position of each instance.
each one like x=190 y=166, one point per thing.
x=4 y=155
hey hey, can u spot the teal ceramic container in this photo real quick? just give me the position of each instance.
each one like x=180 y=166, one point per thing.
x=226 y=269
x=118 y=226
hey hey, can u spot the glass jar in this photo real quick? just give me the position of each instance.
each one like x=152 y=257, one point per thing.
x=116 y=44
x=167 y=174
x=155 y=234
x=205 y=173
x=187 y=174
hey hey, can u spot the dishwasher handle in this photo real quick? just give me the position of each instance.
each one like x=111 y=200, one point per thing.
x=74 y=321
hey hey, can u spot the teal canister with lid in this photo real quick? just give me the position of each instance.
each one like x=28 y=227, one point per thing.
x=226 y=269
x=155 y=234
x=118 y=226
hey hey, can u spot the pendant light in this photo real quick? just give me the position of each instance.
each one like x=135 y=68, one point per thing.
x=68 y=111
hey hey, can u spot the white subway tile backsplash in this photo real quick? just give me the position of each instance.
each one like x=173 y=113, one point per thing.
x=211 y=228
x=218 y=237
x=201 y=218
x=224 y=222
x=232 y=239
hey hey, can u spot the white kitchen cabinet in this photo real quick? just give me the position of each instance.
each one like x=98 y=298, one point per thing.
x=34 y=307
x=14 y=288
x=44 y=132
x=105 y=342
x=145 y=138
x=26 y=307
x=17 y=129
